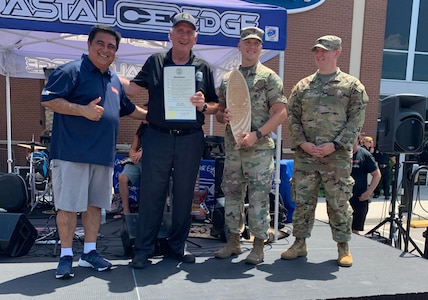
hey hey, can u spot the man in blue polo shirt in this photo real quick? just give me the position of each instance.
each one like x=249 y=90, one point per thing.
x=87 y=99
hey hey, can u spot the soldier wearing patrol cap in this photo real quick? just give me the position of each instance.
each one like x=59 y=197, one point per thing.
x=252 y=33
x=249 y=164
x=326 y=112
x=328 y=42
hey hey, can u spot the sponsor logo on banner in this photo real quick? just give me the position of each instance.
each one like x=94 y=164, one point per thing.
x=271 y=34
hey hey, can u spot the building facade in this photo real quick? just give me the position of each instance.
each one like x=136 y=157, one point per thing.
x=360 y=24
x=405 y=55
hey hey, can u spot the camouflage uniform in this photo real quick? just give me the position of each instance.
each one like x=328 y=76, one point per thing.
x=321 y=112
x=251 y=167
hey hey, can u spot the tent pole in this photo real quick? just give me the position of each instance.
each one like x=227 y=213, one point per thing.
x=9 y=126
x=211 y=124
x=278 y=153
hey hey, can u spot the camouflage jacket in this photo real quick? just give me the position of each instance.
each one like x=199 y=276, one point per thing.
x=324 y=112
x=265 y=88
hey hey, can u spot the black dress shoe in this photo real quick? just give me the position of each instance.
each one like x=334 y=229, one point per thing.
x=139 y=262
x=386 y=197
x=186 y=257
x=375 y=196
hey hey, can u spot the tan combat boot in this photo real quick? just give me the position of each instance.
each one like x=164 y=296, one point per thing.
x=345 y=256
x=233 y=247
x=256 y=255
x=296 y=250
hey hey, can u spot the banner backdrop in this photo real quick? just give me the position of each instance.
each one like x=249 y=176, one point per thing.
x=37 y=34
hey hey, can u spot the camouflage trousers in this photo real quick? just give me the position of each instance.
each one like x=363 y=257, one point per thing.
x=250 y=169
x=337 y=184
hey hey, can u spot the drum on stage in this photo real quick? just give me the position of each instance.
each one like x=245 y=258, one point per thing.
x=41 y=169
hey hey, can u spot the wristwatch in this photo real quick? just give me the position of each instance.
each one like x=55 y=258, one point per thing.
x=336 y=145
x=204 y=108
x=259 y=134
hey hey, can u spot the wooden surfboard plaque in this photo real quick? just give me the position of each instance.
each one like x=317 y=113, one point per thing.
x=238 y=101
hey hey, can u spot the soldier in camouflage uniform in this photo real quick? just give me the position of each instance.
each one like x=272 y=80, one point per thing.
x=326 y=112
x=249 y=163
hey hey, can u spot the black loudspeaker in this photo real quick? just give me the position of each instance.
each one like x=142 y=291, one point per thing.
x=128 y=232
x=17 y=234
x=13 y=192
x=402 y=124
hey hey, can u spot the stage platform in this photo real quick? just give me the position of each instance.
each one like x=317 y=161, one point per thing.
x=379 y=272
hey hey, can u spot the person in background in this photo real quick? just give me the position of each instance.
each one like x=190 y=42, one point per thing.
x=326 y=112
x=367 y=142
x=363 y=163
x=132 y=169
x=87 y=99
x=249 y=163
x=383 y=161
x=171 y=146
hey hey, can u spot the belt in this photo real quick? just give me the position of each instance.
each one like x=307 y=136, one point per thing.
x=175 y=132
x=383 y=166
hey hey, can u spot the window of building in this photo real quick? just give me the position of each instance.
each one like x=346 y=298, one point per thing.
x=420 y=72
x=394 y=65
x=397 y=29
x=422 y=32
x=405 y=54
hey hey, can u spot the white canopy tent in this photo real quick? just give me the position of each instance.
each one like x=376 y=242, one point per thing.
x=37 y=35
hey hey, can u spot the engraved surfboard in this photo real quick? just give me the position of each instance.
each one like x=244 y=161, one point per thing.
x=238 y=101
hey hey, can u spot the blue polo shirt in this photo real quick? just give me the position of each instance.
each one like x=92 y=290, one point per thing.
x=78 y=139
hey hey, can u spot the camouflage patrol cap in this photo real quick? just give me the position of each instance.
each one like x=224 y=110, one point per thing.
x=252 y=33
x=328 y=42
x=184 y=17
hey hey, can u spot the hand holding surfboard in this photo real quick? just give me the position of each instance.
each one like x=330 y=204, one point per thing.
x=238 y=101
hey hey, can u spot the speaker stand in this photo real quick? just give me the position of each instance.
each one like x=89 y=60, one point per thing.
x=397 y=233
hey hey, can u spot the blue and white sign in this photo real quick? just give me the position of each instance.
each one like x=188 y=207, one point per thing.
x=218 y=22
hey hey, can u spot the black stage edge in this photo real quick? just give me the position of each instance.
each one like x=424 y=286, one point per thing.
x=379 y=272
